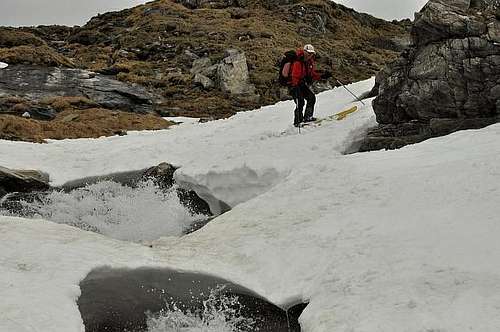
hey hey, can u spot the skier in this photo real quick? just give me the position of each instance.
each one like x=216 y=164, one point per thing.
x=303 y=73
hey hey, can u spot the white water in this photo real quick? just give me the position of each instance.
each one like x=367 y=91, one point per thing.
x=138 y=214
x=220 y=314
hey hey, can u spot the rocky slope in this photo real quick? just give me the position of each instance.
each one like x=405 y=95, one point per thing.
x=201 y=58
x=447 y=81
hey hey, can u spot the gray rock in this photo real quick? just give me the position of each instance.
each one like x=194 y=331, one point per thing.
x=233 y=76
x=204 y=81
x=397 y=44
x=447 y=80
x=314 y=21
x=22 y=180
x=442 y=19
x=204 y=67
x=36 y=83
x=494 y=31
x=459 y=4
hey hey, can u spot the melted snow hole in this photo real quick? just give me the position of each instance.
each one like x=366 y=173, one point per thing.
x=126 y=207
x=141 y=213
x=162 y=300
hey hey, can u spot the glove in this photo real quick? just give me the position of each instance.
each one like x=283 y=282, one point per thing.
x=326 y=75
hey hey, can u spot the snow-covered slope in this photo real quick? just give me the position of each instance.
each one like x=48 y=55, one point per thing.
x=383 y=241
x=233 y=160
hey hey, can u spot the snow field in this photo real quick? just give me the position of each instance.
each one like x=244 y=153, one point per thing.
x=383 y=241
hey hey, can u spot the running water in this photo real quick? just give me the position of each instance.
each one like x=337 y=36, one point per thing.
x=220 y=313
x=138 y=214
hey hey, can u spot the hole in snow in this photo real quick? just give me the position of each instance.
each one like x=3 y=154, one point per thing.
x=129 y=206
x=161 y=300
x=145 y=205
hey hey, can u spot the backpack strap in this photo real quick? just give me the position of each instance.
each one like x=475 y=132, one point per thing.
x=290 y=69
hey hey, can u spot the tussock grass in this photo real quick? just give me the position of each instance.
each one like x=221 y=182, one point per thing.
x=90 y=123
x=34 y=55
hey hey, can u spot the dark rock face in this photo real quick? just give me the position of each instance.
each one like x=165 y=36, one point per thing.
x=118 y=299
x=448 y=80
x=36 y=83
x=22 y=181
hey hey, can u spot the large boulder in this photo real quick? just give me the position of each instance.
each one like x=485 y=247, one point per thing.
x=38 y=83
x=449 y=79
x=117 y=300
x=22 y=181
x=233 y=76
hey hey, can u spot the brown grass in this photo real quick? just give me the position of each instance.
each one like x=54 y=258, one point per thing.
x=11 y=100
x=93 y=57
x=20 y=108
x=91 y=123
x=42 y=55
x=65 y=103
x=10 y=38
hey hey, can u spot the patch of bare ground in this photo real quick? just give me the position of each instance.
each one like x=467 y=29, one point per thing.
x=71 y=123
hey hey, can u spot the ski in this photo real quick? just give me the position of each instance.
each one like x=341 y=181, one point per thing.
x=337 y=116
x=342 y=115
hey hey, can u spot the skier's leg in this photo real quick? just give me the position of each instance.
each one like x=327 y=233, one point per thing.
x=311 y=101
x=298 y=98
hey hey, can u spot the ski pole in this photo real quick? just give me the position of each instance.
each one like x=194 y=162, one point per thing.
x=343 y=85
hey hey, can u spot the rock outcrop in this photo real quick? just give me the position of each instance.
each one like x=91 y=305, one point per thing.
x=22 y=181
x=36 y=83
x=448 y=80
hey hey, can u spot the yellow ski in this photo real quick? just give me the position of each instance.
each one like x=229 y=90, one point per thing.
x=338 y=116
x=342 y=115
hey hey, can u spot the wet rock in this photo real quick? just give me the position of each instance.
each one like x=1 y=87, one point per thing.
x=37 y=83
x=163 y=176
x=119 y=300
x=22 y=180
x=446 y=81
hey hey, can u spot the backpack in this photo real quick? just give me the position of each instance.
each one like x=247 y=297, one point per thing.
x=285 y=68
